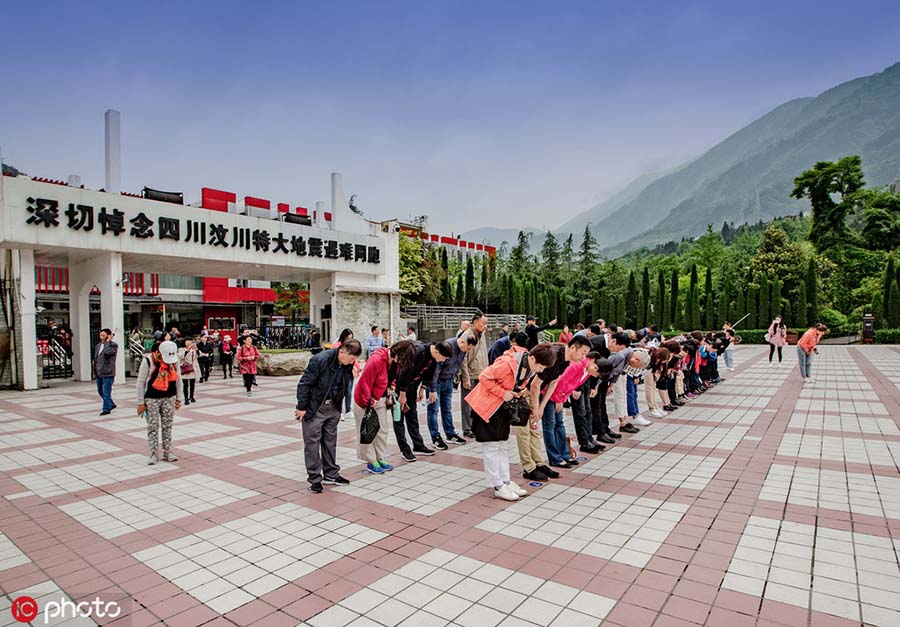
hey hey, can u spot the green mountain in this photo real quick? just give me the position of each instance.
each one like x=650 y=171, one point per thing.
x=749 y=175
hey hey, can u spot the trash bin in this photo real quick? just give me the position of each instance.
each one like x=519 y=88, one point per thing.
x=868 y=331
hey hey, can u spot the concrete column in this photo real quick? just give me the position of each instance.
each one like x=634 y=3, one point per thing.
x=105 y=273
x=339 y=207
x=320 y=215
x=113 y=151
x=23 y=267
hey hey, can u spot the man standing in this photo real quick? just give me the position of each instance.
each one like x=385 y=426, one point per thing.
x=374 y=341
x=476 y=360
x=205 y=357
x=440 y=393
x=319 y=395
x=620 y=353
x=105 y=369
x=532 y=330
x=581 y=403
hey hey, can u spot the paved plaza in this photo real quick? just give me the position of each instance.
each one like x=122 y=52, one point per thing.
x=761 y=502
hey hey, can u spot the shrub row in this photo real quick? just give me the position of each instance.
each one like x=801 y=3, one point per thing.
x=887 y=336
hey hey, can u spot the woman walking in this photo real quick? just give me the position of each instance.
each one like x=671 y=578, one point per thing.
x=777 y=335
x=374 y=390
x=509 y=377
x=226 y=356
x=188 y=361
x=159 y=395
x=247 y=355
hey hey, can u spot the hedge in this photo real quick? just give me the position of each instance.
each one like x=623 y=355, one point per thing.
x=887 y=336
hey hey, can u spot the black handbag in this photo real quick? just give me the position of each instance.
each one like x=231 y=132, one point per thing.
x=369 y=426
x=518 y=410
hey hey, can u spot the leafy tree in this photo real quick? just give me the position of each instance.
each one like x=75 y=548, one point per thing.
x=820 y=184
x=724 y=302
x=597 y=304
x=550 y=254
x=812 y=293
x=631 y=302
x=644 y=312
x=881 y=217
x=800 y=311
x=765 y=313
x=553 y=304
x=567 y=262
x=289 y=301
x=519 y=258
x=661 y=314
x=411 y=263
x=620 y=309
x=753 y=318
x=587 y=264
x=894 y=306
x=778 y=257
x=707 y=250
x=740 y=306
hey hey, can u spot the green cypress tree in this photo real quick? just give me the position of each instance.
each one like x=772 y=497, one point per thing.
x=485 y=282
x=741 y=305
x=695 y=307
x=470 y=282
x=596 y=305
x=752 y=308
x=673 y=299
x=800 y=311
x=460 y=296
x=528 y=303
x=661 y=314
x=644 y=310
x=722 y=302
x=889 y=278
x=765 y=315
x=812 y=293
x=708 y=314
x=777 y=305
x=681 y=315
x=894 y=306
x=631 y=302
x=620 y=309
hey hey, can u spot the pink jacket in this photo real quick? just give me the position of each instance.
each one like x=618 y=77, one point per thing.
x=569 y=381
x=777 y=337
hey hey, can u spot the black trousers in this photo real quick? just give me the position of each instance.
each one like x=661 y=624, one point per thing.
x=189 y=385
x=581 y=415
x=226 y=367
x=599 y=417
x=409 y=422
x=670 y=388
x=772 y=348
x=248 y=380
x=205 y=367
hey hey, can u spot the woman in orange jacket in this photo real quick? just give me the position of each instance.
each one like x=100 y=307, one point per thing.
x=805 y=349
x=507 y=378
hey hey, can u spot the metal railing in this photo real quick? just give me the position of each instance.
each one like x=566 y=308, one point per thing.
x=440 y=317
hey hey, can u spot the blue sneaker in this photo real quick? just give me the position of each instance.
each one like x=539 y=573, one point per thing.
x=384 y=465
x=376 y=468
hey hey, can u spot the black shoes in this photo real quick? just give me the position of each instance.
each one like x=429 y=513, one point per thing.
x=548 y=471
x=316 y=488
x=339 y=480
x=408 y=456
x=439 y=444
x=105 y=413
x=606 y=439
x=469 y=434
x=669 y=408
x=535 y=475
x=591 y=450
x=455 y=439
x=615 y=436
x=423 y=450
x=629 y=428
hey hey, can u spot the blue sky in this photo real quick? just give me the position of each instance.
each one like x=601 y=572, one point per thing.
x=475 y=113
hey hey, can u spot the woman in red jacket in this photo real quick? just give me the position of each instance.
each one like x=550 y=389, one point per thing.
x=374 y=389
x=247 y=355
x=513 y=370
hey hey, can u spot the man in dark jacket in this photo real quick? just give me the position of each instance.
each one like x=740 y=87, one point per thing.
x=410 y=382
x=105 y=369
x=532 y=330
x=319 y=395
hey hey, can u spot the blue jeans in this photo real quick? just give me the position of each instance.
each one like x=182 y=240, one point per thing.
x=729 y=359
x=445 y=403
x=554 y=433
x=631 y=387
x=104 y=389
x=805 y=363
x=348 y=396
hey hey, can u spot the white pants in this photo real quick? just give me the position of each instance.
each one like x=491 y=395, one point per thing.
x=620 y=396
x=496 y=464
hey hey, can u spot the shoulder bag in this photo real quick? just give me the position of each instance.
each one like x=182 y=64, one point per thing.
x=518 y=410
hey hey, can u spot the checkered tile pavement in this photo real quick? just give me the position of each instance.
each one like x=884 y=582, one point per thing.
x=762 y=502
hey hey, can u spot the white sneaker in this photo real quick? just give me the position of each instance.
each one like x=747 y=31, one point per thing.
x=731 y=370
x=512 y=485
x=779 y=365
x=504 y=492
x=810 y=380
x=658 y=413
x=804 y=379
x=771 y=365
x=641 y=421
x=347 y=416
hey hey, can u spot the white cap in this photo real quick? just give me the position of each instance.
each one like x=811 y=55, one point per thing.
x=169 y=352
